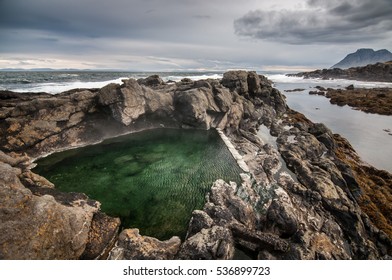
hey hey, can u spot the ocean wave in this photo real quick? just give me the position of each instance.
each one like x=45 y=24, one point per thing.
x=194 y=77
x=282 y=78
x=68 y=75
x=55 y=87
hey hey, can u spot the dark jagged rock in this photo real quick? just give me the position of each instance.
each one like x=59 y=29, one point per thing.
x=199 y=220
x=101 y=237
x=294 y=90
x=319 y=208
x=280 y=219
x=312 y=156
x=214 y=243
x=151 y=81
x=373 y=100
x=379 y=72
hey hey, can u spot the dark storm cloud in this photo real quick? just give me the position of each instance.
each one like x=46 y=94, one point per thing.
x=77 y=18
x=320 y=22
x=102 y=18
x=175 y=32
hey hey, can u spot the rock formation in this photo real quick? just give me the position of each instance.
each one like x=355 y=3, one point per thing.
x=374 y=100
x=38 y=222
x=379 y=72
x=311 y=214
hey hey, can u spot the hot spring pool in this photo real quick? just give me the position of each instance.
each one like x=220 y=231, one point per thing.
x=152 y=180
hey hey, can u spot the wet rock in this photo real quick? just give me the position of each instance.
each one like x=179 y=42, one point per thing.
x=350 y=87
x=373 y=100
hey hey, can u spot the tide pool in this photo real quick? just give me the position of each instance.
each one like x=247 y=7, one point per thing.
x=152 y=180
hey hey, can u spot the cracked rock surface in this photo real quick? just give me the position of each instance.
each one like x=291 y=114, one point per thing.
x=306 y=196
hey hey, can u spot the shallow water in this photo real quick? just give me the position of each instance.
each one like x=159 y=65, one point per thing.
x=152 y=180
x=265 y=135
x=365 y=131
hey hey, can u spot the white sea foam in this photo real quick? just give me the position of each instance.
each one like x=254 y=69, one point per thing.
x=282 y=78
x=55 y=88
x=193 y=77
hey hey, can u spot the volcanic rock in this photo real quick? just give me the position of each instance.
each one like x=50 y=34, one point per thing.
x=307 y=199
x=133 y=246
x=378 y=72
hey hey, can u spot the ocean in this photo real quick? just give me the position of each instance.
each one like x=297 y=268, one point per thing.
x=59 y=81
x=366 y=132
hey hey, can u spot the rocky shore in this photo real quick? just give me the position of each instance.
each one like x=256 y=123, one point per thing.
x=369 y=100
x=329 y=209
x=379 y=72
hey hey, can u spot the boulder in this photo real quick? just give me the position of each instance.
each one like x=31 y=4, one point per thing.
x=215 y=243
x=101 y=237
x=223 y=194
x=133 y=246
x=151 y=81
x=281 y=219
x=199 y=221
x=236 y=80
x=39 y=227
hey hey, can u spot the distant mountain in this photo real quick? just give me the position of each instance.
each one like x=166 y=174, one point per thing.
x=363 y=57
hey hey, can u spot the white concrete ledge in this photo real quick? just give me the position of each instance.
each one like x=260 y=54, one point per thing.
x=240 y=161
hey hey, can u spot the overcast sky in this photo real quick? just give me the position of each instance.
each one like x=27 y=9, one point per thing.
x=161 y=35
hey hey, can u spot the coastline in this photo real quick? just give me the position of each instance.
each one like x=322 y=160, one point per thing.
x=365 y=131
x=274 y=217
x=376 y=100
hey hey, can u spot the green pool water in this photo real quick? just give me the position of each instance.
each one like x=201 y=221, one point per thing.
x=152 y=180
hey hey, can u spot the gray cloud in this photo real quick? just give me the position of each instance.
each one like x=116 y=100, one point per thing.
x=321 y=22
x=186 y=34
x=102 y=18
x=202 y=16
